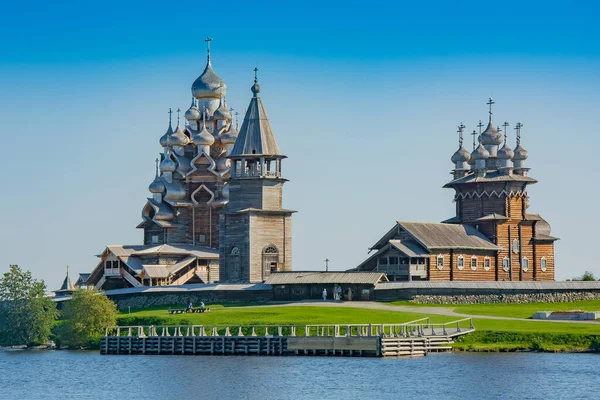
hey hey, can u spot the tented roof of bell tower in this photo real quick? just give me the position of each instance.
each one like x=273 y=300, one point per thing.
x=256 y=135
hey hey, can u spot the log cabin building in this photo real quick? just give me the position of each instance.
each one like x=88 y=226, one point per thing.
x=217 y=194
x=492 y=237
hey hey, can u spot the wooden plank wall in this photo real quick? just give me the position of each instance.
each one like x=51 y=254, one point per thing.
x=466 y=274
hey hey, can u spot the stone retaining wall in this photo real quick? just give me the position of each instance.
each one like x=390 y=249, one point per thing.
x=557 y=297
x=147 y=300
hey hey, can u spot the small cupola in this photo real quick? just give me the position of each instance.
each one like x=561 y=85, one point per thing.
x=193 y=113
x=164 y=139
x=157 y=186
x=222 y=113
x=204 y=138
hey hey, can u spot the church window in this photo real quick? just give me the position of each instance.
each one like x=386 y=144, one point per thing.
x=474 y=263
x=460 y=263
x=506 y=264
x=487 y=263
x=440 y=261
x=154 y=239
x=525 y=264
x=235 y=251
x=201 y=238
x=543 y=264
x=515 y=246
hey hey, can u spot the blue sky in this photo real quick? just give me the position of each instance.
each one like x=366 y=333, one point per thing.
x=364 y=99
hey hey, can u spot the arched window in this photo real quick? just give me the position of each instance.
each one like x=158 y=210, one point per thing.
x=474 y=263
x=440 y=261
x=460 y=264
x=487 y=263
x=270 y=260
x=543 y=264
x=525 y=264
x=235 y=251
x=506 y=264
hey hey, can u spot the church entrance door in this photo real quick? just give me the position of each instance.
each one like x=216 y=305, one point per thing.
x=270 y=259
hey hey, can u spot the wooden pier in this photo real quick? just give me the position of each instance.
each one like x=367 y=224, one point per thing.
x=410 y=339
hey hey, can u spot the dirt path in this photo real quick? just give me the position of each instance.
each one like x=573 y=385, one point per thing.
x=422 y=310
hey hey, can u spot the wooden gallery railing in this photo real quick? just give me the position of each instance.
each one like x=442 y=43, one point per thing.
x=275 y=339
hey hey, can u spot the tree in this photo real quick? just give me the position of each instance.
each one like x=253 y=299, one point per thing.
x=587 y=276
x=26 y=313
x=86 y=316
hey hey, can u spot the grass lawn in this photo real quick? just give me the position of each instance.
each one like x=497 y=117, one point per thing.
x=220 y=315
x=510 y=310
x=250 y=315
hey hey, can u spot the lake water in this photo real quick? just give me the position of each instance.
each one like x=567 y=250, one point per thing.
x=88 y=375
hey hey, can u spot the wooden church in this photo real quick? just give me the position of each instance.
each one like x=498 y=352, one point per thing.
x=491 y=238
x=215 y=211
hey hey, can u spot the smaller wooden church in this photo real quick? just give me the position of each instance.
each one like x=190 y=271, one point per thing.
x=491 y=238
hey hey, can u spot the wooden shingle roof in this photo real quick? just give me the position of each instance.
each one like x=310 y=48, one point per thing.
x=434 y=236
x=316 y=277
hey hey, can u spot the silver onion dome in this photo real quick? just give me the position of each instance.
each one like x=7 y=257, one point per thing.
x=175 y=191
x=222 y=164
x=230 y=136
x=167 y=164
x=208 y=84
x=192 y=114
x=506 y=153
x=204 y=138
x=163 y=212
x=164 y=139
x=157 y=185
x=520 y=153
x=222 y=112
x=491 y=136
x=461 y=155
x=480 y=153
x=178 y=138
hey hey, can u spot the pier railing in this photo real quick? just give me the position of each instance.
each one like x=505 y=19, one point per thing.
x=420 y=327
